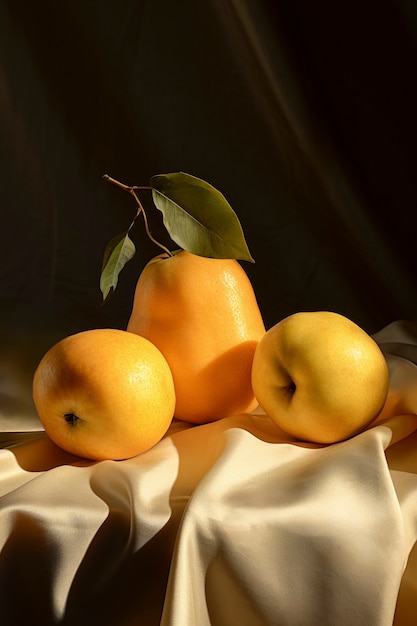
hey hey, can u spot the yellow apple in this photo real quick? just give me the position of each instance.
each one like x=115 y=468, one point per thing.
x=319 y=376
x=104 y=394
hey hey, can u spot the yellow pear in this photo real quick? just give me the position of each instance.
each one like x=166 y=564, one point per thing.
x=203 y=316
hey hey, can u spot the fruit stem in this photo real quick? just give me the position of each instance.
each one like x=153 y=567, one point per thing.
x=122 y=185
x=145 y=221
x=132 y=190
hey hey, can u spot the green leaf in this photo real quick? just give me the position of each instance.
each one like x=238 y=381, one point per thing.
x=118 y=252
x=198 y=217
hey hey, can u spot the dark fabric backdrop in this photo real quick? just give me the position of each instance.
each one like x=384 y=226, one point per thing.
x=302 y=113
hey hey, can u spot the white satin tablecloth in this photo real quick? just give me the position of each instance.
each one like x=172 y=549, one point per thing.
x=229 y=523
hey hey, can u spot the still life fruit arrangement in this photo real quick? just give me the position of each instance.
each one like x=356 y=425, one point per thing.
x=196 y=349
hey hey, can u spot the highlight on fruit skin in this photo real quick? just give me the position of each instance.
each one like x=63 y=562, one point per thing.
x=104 y=394
x=320 y=377
x=203 y=315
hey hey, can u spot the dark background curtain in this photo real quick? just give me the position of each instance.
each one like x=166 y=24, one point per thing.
x=302 y=113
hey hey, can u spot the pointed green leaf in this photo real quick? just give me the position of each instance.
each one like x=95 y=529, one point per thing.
x=198 y=217
x=118 y=252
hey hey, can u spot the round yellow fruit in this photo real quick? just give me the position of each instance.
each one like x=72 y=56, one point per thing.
x=203 y=315
x=320 y=377
x=104 y=394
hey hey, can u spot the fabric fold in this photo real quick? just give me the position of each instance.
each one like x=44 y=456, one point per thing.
x=296 y=536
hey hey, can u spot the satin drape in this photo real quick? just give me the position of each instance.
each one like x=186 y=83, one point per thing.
x=228 y=522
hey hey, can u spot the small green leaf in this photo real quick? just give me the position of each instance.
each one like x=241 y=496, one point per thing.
x=198 y=217
x=118 y=252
